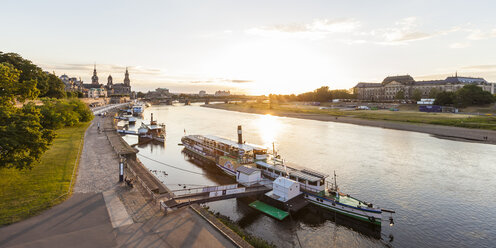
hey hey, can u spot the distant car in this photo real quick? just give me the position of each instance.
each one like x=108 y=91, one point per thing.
x=362 y=108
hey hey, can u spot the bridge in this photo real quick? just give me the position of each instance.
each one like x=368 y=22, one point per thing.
x=185 y=197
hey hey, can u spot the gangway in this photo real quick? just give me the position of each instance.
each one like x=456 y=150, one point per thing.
x=185 y=197
x=127 y=131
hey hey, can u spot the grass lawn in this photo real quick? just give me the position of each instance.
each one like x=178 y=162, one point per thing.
x=411 y=116
x=28 y=192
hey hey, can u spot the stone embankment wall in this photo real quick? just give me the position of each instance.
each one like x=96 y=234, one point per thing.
x=153 y=186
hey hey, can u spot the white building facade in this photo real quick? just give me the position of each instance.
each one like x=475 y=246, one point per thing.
x=222 y=93
x=391 y=86
x=97 y=92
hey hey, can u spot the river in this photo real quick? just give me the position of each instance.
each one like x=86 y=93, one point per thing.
x=443 y=191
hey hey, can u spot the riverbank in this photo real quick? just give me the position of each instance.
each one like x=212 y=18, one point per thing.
x=407 y=121
x=103 y=212
x=29 y=192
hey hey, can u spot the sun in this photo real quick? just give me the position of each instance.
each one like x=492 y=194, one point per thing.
x=273 y=67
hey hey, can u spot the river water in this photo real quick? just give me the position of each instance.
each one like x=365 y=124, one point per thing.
x=443 y=191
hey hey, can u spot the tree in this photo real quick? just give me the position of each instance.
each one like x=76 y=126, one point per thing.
x=445 y=98
x=61 y=113
x=27 y=132
x=433 y=92
x=400 y=95
x=140 y=94
x=472 y=94
x=341 y=94
x=322 y=94
x=10 y=89
x=29 y=72
x=306 y=97
x=417 y=95
x=79 y=94
x=22 y=138
x=56 y=88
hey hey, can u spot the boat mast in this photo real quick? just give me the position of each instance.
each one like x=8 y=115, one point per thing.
x=274 y=149
x=335 y=183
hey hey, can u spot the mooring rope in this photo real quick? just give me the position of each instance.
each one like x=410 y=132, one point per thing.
x=175 y=167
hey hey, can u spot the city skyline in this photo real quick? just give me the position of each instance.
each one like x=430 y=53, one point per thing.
x=257 y=47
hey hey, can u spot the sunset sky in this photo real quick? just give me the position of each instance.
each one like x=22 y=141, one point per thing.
x=253 y=47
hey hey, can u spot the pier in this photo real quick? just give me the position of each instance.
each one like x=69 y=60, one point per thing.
x=122 y=131
x=182 y=198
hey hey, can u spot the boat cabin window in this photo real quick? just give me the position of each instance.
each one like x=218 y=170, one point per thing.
x=260 y=152
x=322 y=181
x=314 y=183
x=301 y=180
x=292 y=178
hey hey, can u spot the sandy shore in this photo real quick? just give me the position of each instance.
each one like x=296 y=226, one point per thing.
x=444 y=132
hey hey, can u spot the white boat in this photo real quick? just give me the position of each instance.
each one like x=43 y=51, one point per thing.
x=137 y=109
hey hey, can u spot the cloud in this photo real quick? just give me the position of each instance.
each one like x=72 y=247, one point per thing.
x=487 y=72
x=403 y=31
x=101 y=69
x=317 y=29
x=457 y=45
x=220 y=80
x=351 y=31
x=480 y=68
x=478 y=34
x=241 y=81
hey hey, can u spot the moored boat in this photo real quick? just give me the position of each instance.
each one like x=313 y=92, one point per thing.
x=131 y=120
x=151 y=131
x=228 y=155
x=137 y=109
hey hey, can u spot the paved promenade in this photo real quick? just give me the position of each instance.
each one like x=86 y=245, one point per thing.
x=105 y=213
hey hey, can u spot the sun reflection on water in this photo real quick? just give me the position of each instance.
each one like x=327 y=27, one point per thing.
x=269 y=127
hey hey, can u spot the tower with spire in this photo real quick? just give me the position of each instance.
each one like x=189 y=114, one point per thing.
x=127 y=82
x=109 y=82
x=94 y=78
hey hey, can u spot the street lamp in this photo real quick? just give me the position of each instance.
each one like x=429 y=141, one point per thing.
x=121 y=169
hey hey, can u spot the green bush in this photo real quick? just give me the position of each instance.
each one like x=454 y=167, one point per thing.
x=63 y=113
x=469 y=95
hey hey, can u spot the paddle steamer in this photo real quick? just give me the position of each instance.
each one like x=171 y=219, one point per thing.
x=151 y=131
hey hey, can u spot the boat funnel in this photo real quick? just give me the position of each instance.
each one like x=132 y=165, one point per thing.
x=151 y=118
x=240 y=135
